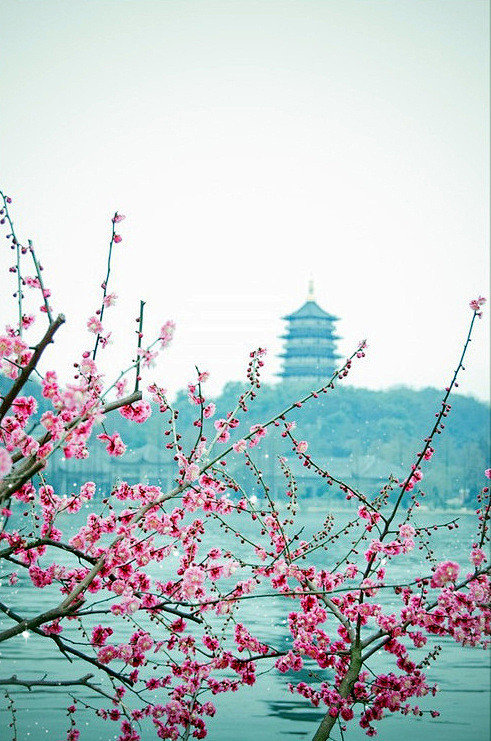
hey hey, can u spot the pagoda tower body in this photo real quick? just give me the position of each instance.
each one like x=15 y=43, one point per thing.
x=310 y=349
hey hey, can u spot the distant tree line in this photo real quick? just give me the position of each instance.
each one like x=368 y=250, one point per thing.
x=348 y=422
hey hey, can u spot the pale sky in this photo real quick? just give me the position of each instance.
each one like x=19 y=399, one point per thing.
x=252 y=144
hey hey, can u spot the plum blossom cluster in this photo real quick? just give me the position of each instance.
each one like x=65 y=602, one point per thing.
x=477 y=304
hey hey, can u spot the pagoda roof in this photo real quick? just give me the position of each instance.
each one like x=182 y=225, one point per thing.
x=311 y=310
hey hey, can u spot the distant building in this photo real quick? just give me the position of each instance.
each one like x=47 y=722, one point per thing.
x=310 y=344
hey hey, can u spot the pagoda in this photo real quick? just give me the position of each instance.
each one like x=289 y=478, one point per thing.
x=310 y=348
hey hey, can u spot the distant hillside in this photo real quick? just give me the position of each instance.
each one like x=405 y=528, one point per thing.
x=388 y=426
x=348 y=429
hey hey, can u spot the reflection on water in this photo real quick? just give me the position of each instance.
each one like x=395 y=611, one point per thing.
x=293 y=711
x=267 y=711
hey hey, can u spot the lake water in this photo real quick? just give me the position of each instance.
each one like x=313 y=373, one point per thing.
x=266 y=711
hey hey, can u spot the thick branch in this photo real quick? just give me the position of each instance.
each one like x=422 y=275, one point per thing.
x=345 y=688
x=24 y=624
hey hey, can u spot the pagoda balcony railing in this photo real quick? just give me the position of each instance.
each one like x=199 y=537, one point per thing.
x=308 y=334
x=314 y=352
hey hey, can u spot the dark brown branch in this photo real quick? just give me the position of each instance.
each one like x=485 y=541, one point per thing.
x=24 y=624
x=29 y=683
x=47 y=541
x=62 y=645
x=14 y=481
x=28 y=369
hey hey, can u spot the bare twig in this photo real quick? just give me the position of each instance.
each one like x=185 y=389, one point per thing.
x=138 y=346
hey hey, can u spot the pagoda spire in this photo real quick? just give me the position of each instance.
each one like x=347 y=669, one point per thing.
x=310 y=295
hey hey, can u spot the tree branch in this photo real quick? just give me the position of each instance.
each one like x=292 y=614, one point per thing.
x=62 y=645
x=29 y=683
x=27 y=369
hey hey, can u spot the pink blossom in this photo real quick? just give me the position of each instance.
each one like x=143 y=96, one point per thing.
x=192 y=581
x=301 y=447
x=221 y=426
x=290 y=661
x=41 y=577
x=476 y=305
x=6 y=346
x=137 y=412
x=100 y=635
x=5 y=463
x=115 y=446
x=118 y=217
x=128 y=605
x=24 y=406
x=109 y=300
x=260 y=553
x=94 y=325
x=50 y=385
x=54 y=424
x=144 y=642
x=445 y=572
x=118 y=238
x=260 y=432
x=147 y=357
x=191 y=473
x=31 y=282
x=487 y=473
x=351 y=571
x=53 y=628
x=28 y=320
x=209 y=410
x=166 y=333
x=239 y=446
x=406 y=530
x=107 y=654
x=371 y=515
x=477 y=556
x=121 y=388
x=28 y=445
